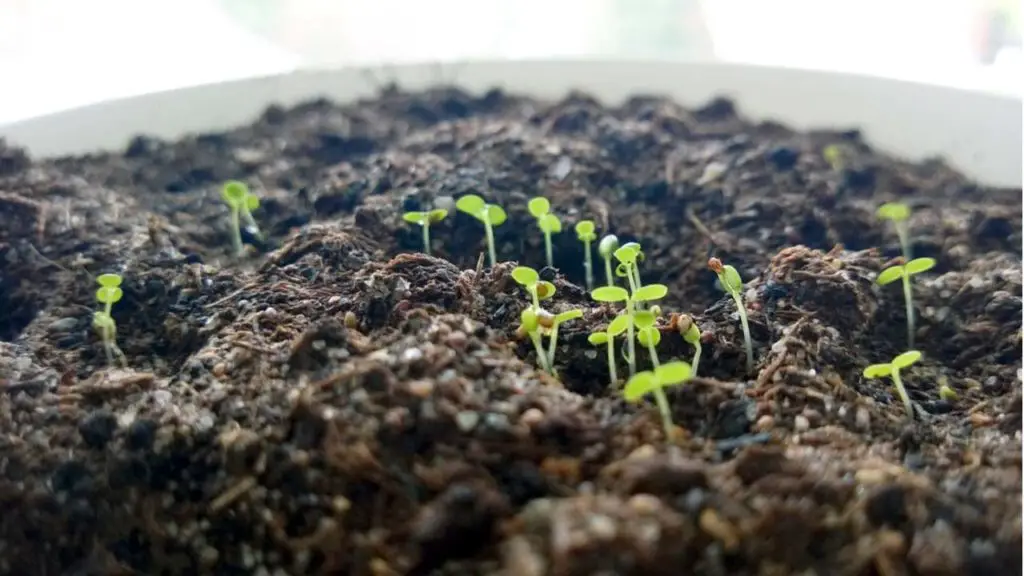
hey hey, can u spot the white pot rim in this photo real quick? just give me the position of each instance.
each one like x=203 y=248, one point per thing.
x=977 y=132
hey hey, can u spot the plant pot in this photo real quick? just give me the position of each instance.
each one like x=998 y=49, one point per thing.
x=332 y=400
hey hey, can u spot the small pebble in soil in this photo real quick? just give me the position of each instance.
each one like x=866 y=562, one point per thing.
x=97 y=428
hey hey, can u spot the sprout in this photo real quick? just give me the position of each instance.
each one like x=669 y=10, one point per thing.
x=892 y=370
x=530 y=324
x=242 y=202
x=899 y=214
x=535 y=320
x=731 y=282
x=691 y=335
x=654 y=382
x=108 y=294
x=553 y=333
x=615 y=328
x=425 y=219
x=490 y=215
x=628 y=255
x=947 y=393
x=904 y=272
x=548 y=223
x=537 y=289
x=585 y=232
x=609 y=244
x=833 y=154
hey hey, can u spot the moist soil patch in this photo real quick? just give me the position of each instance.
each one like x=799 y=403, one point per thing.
x=337 y=402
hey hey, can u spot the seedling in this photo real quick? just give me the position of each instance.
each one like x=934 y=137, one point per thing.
x=529 y=323
x=529 y=279
x=615 y=328
x=536 y=321
x=557 y=321
x=242 y=202
x=606 y=248
x=691 y=335
x=899 y=214
x=490 y=215
x=548 y=223
x=904 y=272
x=731 y=282
x=425 y=219
x=627 y=256
x=108 y=293
x=654 y=382
x=585 y=232
x=833 y=154
x=892 y=370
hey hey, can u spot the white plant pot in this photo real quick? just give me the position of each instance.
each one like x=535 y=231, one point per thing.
x=979 y=133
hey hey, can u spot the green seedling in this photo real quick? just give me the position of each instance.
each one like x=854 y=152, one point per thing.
x=833 y=154
x=615 y=328
x=108 y=294
x=654 y=382
x=904 y=272
x=947 y=393
x=731 y=282
x=529 y=324
x=691 y=335
x=529 y=279
x=892 y=370
x=539 y=321
x=242 y=202
x=628 y=256
x=490 y=215
x=606 y=248
x=585 y=232
x=899 y=214
x=548 y=223
x=552 y=330
x=425 y=219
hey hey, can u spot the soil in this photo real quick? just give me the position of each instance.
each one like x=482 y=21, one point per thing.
x=336 y=402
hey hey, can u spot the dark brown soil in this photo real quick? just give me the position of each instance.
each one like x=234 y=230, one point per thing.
x=338 y=403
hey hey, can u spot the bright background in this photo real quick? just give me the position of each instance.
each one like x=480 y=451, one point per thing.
x=57 y=54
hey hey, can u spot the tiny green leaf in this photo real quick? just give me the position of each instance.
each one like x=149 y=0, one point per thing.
x=731 y=279
x=906 y=359
x=627 y=254
x=436 y=215
x=671 y=373
x=649 y=336
x=550 y=224
x=619 y=324
x=585 y=231
x=895 y=211
x=890 y=275
x=644 y=319
x=415 y=217
x=568 y=315
x=878 y=371
x=528 y=318
x=252 y=202
x=607 y=246
x=525 y=276
x=544 y=290
x=538 y=207
x=109 y=280
x=471 y=204
x=610 y=294
x=692 y=334
x=598 y=338
x=234 y=193
x=108 y=294
x=919 y=265
x=641 y=384
x=495 y=215
x=650 y=292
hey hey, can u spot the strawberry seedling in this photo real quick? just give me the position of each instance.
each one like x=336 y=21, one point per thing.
x=242 y=203
x=586 y=235
x=548 y=223
x=490 y=215
x=899 y=214
x=904 y=272
x=607 y=337
x=425 y=219
x=654 y=382
x=892 y=370
x=730 y=281
x=108 y=294
x=606 y=248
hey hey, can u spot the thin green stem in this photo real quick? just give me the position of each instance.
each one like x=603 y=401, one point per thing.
x=630 y=334
x=660 y=398
x=696 y=358
x=904 y=235
x=902 y=392
x=552 y=345
x=548 y=256
x=539 y=347
x=588 y=266
x=236 y=232
x=908 y=300
x=426 y=238
x=534 y=297
x=611 y=361
x=608 y=271
x=250 y=222
x=748 y=346
x=489 y=230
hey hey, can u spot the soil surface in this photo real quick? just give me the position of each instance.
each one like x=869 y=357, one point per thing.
x=337 y=402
